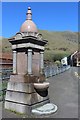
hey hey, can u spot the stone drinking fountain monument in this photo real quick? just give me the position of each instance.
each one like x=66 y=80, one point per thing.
x=27 y=88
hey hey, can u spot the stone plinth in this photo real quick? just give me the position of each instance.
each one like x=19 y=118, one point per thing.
x=22 y=97
x=27 y=78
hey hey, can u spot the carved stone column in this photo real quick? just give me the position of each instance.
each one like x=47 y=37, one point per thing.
x=14 y=62
x=41 y=62
x=29 y=61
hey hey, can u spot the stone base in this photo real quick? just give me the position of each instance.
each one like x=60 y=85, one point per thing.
x=42 y=77
x=27 y=78
x=23 y=78
x=23 y=108
x=22 y=97
x=46 y=109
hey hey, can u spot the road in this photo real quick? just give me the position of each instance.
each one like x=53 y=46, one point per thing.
x=63 y=91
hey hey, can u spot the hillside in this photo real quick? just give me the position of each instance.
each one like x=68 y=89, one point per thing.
x=59 y=43
x=6 y=46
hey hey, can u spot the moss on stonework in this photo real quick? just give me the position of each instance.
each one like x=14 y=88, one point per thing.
x=18 y=113
x=23 y=115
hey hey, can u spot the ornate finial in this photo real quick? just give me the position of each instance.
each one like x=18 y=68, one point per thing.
x=29 y=14
x=29 y=8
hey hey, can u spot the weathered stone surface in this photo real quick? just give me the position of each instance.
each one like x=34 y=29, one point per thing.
x=24 y=98
x=30 y=78
x=23 y=93
x=20 y=108
x=21 y=87
x=23 y=78
x=36 y=64
x=22 y=66
x=21 y=63
x=24 y=109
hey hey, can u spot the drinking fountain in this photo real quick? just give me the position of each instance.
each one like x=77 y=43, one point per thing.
x=27 y=88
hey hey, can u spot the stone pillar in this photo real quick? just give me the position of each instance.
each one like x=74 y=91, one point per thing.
x=41 y=62
x=14 y=62
x=29 y=61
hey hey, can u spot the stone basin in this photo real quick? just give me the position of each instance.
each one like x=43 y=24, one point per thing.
x=41 y=86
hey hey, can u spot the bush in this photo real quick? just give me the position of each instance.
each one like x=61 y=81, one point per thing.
x=50 y=56
x=47 y=48
x=59 y=56
x=58 y=63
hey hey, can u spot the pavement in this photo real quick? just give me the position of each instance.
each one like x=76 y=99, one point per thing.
x=63 y=92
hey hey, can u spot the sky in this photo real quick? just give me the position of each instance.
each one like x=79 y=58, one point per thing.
x=51 y=16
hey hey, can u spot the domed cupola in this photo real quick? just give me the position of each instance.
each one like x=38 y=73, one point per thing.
x=29 y=25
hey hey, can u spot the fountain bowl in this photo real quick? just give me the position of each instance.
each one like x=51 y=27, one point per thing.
x=41 y=86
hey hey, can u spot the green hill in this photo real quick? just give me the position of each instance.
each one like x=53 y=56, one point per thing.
x=60 y=44
x=6 y=45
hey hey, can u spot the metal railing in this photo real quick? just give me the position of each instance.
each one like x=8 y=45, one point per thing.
x=49 y=71
x=54 y=70
x=2 y=94
x=4 y=77
x=5 y=73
